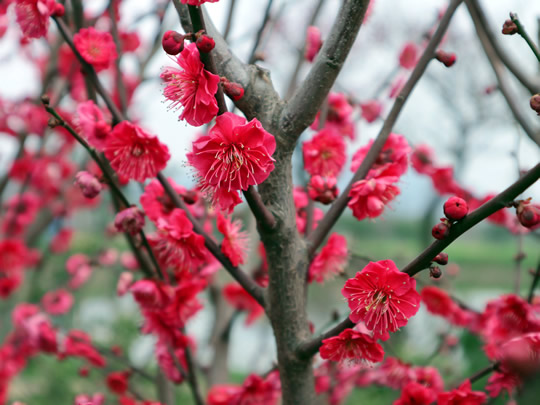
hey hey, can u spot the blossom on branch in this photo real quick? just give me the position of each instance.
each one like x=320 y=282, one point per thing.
x=325 y=154
x=383 y=297
x=234 y=155
x=192 y=86
x=351 y=345
x=96 y=47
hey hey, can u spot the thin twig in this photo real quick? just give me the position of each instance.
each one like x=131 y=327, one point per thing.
x=266 y=18
x=484 y=372
x=120 y=85
x=245 y=281
x=525 y=35
x=230 y=15
x=534 y=283
x=340 y=204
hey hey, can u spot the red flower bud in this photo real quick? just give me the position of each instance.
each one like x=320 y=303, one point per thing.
x=190 y=197
x=528 y=214
x=173 y=42
x=435 y=272
x=441 y=230
x=130 y=220
x=441 y=258
x=59 y=10
x=205 y=43
x=509 y=27
x=448 y=59
x=234 y=90
x=89 y=184
x=323 y=189
x=455 y=208
x=535 y=103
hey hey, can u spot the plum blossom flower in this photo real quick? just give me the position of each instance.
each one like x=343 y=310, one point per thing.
x=371 y=110
x=369 y=197
x=235 y=242
x=324 y=154
x=382 y=297
x=192 y=86
x=339 y=116
x=176 y=243
x=330 y=261
x=134 y=153
x=96 y=47
x=462 y=395
x=92 y=124
x=33 y=16
x=313 y=43
x=254 y=390
x=351 y=345
x=416 y=394
x=234 y=155
x=57 y=302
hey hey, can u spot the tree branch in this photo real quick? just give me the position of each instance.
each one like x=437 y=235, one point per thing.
x=498 y=69
x=301 y=109
x=311 y=347
x=260 y=31
x=513 y=67
x=495 y=204
x=245 y=281
x=340 y=204
x=536 y=279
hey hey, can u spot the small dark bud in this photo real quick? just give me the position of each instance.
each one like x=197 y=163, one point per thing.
x=54 y=122
x=59 y=10
x=509 y=28
x=441 y=230
x=535 y=103
x=441 y=258
x=234 y=90
x=205 y=43
x=435 y=272
x=446 y=58
x=45 y=99
x=173 y=42
x=190 y=197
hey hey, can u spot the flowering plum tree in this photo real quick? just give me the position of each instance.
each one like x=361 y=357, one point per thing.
x=180 y=239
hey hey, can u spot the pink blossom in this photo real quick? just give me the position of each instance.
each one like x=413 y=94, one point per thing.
x=92 y=124
x=235 y=242
x=130 y=220
x=192 y=86
x=323 y=189
x=369 y=197
x=338 y=117
x=371 y=110
x=324 y=154
x=352 y=346
x=462 y=395
x=416 y=394
x=134 y=153
x=234 y=155
x=57 y=302
x=33 y=16
x=96 y=47
x=382 y=297
x=313 y=43
x=408 y=56
x=330 y=261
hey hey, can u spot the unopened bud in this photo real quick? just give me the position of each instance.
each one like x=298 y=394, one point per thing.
x=130 y=220
x=441 y=230
x=205 y=43
x=45 y=99
x=173 y=42
x=88 y=183
x=54 y=122
x=190 y=197
x=528 y=214
x=59 y=10
x=441 y=258
x=234 y=90
x=535 y=103
x=323 y=189
x=446 y=58
x=509 y=27
x=455 y=208
x=435 y=272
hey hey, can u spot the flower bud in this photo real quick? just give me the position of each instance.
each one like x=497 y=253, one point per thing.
x=234 y=90
x=535 y=103
x=441 y=258
x=190 y=197
x=313 y=43
x=205 y=43
x=435 y=272
x=59 y=10
x=173 y=42
x=124 y=282
x=455 y=208
x=130 y=220
x=440 y=231
x=528 y=214
x=148 y=294
x=509 y=27
x=88 y=183
x=448 y=59
x=323 y=189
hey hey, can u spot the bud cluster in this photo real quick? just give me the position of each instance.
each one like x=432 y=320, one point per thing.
x=455 y=209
